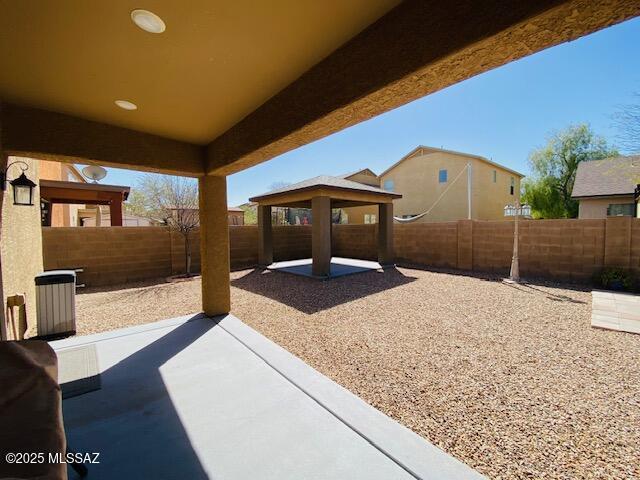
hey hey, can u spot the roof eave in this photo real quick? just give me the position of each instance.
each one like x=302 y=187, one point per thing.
x=453 y=152
x=601 y=195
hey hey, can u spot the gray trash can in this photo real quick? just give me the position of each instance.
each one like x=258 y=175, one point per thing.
x=56 y=303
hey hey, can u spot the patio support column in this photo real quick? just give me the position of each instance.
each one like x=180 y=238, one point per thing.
x=214 y=245
x=265 y=236
x=321 y=236
x=115 y=211
x=386 y=255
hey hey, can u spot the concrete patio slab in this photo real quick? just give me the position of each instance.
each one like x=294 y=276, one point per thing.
x=196 y=397
x=615 y=311
x=339 y=267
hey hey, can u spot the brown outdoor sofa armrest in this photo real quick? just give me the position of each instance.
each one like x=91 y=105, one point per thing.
x=30 y=409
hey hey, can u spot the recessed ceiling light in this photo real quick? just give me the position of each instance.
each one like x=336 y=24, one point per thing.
x=126 y=105
x=148 y=21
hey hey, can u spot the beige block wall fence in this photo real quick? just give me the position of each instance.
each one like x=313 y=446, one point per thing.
x=567 y=250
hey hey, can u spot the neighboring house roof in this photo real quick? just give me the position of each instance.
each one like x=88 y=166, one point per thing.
x=326 y=181
x=365 y=171
x=608 y=177
x=235 y=209
x=421 y=149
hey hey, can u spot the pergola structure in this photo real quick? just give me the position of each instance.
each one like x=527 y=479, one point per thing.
x=225 y=87
x=54 y=191
x=321 y=194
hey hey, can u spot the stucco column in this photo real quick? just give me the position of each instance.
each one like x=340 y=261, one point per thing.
x=214 y=245
x=386 y=255
x=265 y=236
x=321 y=236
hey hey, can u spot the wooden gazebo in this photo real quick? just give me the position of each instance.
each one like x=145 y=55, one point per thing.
x=321 y=194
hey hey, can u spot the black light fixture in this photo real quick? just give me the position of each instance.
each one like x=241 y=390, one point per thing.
x=22 y=186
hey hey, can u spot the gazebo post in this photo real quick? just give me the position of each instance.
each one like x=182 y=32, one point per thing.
x=115 y=211
x=386 y=255
x=321 y=236
x=265 y=236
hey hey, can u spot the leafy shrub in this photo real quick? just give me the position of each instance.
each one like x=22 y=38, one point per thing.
x=616 y=279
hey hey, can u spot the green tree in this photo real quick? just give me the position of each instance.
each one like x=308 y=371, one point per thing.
x=554 y=166
x=250 y=214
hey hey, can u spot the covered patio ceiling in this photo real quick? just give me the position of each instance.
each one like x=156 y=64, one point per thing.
x=231 y=84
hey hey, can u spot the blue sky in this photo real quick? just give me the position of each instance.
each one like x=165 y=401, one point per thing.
x=502 y=114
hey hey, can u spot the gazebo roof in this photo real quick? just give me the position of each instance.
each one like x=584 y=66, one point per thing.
x=347 y=192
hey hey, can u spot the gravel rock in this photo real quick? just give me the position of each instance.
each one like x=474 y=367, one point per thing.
x=510 y=379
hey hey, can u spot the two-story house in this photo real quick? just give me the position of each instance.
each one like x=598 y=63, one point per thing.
x=440 y=185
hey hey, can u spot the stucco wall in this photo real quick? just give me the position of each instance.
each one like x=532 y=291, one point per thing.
x=591 y=208
x=416 y=178
x=364 y=178
x=20 y=243
x=62 y=215
x=356 y=214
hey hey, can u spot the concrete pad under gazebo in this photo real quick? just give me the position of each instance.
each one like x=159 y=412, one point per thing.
x=321 y=194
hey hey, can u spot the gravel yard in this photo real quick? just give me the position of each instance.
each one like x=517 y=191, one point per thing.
x=512 y=380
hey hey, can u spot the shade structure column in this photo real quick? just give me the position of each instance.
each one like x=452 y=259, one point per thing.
x=214 y=245
x=115 y=212
x=321 y=236
x=265 y=236
x=386 y=256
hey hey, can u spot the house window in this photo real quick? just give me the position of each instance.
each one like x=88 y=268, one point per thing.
x=369 y=218
x=512 y=187
x=621 y=210
x=442 y=176
x=388 y=185
x=495 y=176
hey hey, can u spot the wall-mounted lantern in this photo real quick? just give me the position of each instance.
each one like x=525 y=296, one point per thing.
x=22 y=186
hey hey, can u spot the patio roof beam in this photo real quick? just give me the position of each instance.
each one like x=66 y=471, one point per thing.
x=416 y=49
x=45 y=135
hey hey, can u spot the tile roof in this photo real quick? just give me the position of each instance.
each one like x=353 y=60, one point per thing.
x=326 y=181
x=611 y=176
